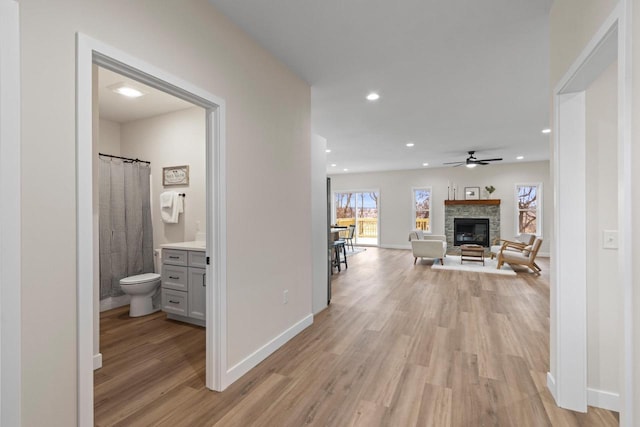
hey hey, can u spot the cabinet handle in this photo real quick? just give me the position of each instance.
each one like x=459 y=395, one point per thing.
x=174 y=302
x=204 y=282
x=174 y=277
x=174 y=257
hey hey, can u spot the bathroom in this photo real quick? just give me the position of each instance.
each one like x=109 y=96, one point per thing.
x=167 y=135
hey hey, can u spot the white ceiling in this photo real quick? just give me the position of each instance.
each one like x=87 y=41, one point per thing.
x=453 y=75
x=121 y=109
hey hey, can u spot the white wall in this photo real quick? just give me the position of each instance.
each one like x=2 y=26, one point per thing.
x=319 y=221
x=109 y=137
x=172 y=139
x=268 y=157
x=396 y=199
x=604 y=322
x=10 y=217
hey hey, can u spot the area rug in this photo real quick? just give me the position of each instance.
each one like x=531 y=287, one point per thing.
x=452 y=262
x=356 y=250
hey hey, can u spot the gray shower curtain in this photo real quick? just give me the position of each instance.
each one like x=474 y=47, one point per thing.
x=126 y=235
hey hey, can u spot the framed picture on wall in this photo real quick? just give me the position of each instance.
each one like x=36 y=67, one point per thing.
x=175 y=175
x=472 y=193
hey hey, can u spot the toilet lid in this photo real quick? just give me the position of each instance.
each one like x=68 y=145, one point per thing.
x=140 y=278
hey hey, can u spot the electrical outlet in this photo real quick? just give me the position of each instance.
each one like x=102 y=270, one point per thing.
x=285 y=297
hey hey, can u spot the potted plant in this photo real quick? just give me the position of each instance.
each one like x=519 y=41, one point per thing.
x=490 y=189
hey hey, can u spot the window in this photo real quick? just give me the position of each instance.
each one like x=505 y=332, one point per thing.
x=422 y=208
x=359 y=209
x=528 y=209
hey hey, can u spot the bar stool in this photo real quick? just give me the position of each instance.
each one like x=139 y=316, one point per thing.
x=338 y=247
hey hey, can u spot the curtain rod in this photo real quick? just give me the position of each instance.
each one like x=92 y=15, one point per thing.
x=124 y=158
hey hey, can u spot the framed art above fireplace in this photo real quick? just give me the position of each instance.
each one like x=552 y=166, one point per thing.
x=472 y=193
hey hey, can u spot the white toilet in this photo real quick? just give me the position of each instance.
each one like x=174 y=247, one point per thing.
x=142 y=288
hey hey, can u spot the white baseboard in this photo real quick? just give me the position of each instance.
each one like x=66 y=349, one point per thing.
x=603 y=399
x=551 y=385
x=265 y=351
x=114 y=302
x=395 y=246
x=97 y=361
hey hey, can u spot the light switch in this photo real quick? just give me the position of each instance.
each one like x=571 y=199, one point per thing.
x=610 y=239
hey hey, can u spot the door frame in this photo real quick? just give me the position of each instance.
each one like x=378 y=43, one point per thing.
x=89 y=52
x=10 y=223
x=568 y=384
x=333 y=209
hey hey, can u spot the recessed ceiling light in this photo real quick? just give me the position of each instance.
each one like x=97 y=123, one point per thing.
x=546 y=130
x=410 y=144
x=125 y=90
x=519 y=157
x=471 y=165
x=425 y=164
x=345 y=169
x=333 y=165
x=327 y=150
x=373 y=96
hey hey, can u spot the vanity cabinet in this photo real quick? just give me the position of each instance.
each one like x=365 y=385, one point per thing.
x=184 y=285
x=197 y=292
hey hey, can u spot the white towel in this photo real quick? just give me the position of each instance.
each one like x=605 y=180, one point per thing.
x=166 y=199
x=171 y=214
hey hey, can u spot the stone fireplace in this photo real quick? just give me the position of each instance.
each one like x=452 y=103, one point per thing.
x=468 y=212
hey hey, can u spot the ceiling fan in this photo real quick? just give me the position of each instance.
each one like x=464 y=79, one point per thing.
x=472 y=161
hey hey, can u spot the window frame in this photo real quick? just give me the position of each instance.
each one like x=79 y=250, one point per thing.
x=538 y=210
x=414 y=210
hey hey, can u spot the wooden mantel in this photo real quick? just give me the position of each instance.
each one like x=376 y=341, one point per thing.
x=472 y=202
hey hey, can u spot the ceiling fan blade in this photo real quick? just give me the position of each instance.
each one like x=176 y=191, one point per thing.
x=453 y=163
x=489 y=160
x=480 y=162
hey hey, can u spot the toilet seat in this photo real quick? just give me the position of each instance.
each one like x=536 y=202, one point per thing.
x=140 y=278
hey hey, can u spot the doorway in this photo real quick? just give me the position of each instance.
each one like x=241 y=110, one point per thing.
x=359 y=209
x=91 y=52
x=567 y=379
x=141 y=133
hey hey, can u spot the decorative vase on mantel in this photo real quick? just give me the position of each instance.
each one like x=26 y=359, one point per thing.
x=490 y=189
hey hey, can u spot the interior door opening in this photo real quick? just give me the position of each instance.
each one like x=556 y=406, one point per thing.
x=90 y=53
x=145 y=205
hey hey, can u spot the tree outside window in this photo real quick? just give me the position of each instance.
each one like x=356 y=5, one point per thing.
x=528 y=199
x=422 y=208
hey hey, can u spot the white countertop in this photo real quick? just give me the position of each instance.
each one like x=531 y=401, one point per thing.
x=189 y=246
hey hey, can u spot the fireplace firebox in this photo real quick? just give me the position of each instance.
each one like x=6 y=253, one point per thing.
x=467 y=231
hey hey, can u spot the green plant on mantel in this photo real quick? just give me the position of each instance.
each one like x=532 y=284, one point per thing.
x=490 y=189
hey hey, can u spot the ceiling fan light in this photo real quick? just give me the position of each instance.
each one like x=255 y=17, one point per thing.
x=471 y=165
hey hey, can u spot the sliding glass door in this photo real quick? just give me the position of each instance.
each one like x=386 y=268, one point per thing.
x=359 y=209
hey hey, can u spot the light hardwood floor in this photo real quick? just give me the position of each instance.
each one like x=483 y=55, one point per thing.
x=401 y=345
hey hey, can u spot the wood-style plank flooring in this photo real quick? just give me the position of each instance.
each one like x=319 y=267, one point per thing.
x=401 y=345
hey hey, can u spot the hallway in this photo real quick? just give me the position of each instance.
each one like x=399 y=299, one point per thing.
x=400 y=345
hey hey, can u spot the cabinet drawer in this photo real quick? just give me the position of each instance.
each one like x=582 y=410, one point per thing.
x=197 y=259
x=175 y=277
x=174 y=257
x=175 y=302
